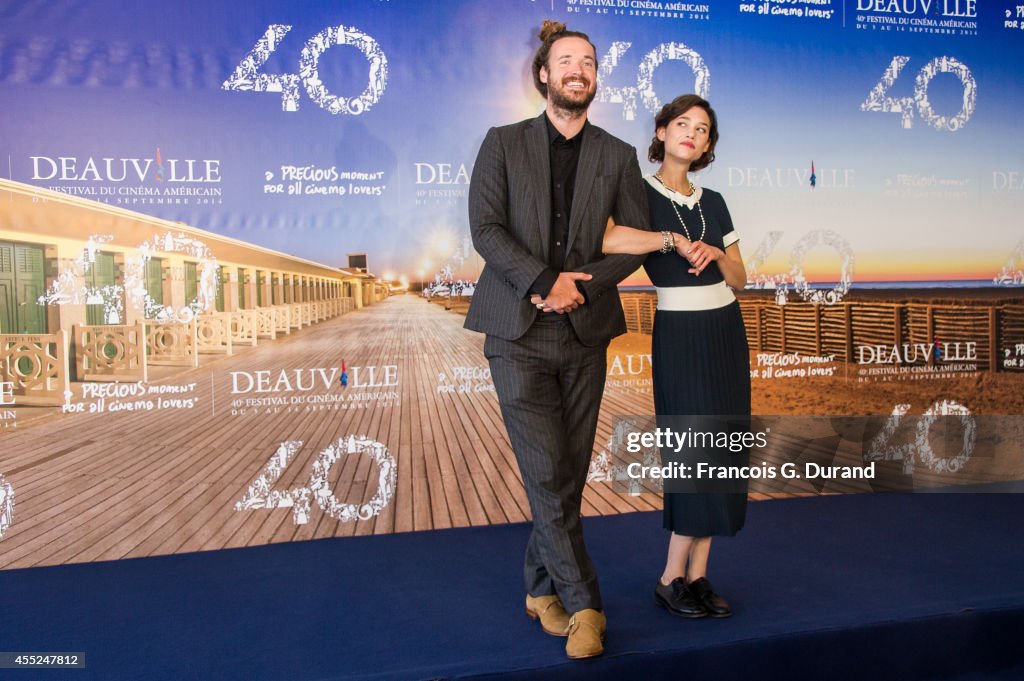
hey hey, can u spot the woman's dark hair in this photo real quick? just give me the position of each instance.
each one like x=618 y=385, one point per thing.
x=673 y=110
x=550 y=32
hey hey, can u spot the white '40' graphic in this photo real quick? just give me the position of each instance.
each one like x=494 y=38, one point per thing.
x=6 y=505
x=247 y=76
x=882 y=448
x=795 y=280
x=299 y=499
x=879 y=101
x=645 y=76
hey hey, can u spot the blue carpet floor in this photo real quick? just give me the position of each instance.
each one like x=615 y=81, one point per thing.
x=884 y=586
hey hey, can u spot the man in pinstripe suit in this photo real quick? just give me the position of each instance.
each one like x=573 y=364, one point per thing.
x=539 y=200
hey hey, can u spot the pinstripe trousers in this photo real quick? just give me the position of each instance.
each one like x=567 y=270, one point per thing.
x=549 y=386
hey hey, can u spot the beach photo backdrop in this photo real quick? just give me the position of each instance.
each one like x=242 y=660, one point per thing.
x=235 y=256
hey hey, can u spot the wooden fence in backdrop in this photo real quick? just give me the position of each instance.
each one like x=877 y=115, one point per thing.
x=842 y=329
x=39 y=365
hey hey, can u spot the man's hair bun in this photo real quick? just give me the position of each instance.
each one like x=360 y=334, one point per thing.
x=550 y=28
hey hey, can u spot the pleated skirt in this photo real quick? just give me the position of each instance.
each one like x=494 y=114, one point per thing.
x=701 y=366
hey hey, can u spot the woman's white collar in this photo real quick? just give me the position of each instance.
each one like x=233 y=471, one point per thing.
x=673 y=195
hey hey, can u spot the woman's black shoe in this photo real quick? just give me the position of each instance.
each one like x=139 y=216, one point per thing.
x=677 y=599
x=702 y=593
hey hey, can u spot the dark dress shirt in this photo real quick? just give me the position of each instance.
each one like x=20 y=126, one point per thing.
x=564 y=155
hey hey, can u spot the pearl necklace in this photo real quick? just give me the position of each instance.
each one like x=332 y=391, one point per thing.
x=703 y=223
x=660 y=179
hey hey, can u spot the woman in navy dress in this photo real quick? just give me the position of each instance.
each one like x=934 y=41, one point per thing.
x=701 y=361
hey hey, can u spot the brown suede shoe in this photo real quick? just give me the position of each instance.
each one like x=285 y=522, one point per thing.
x=553 y=618
x=586 y=634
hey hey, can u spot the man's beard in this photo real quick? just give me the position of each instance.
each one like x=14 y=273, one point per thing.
x=560 y=100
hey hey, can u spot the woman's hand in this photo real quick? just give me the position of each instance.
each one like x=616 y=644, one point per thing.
x=683 y=246
x=701 y=254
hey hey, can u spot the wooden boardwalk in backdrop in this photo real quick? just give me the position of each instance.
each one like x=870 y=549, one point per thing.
x=118 y=485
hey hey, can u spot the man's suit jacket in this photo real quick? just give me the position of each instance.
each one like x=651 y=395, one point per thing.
x=510 y=222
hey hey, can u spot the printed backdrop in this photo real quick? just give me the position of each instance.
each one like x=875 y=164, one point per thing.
x=234 y=246
x=352 y=127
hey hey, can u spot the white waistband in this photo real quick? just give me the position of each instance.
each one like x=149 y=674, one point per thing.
x=682 y=298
